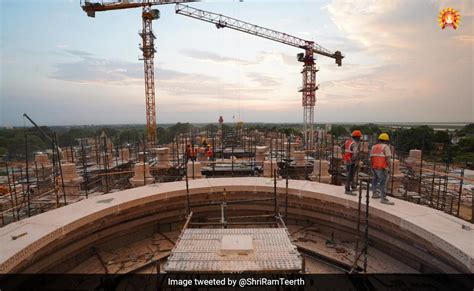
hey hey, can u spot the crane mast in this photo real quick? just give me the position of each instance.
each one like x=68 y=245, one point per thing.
x=147 y=47
x=310 y=48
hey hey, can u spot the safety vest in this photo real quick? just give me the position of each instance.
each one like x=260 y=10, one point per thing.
x=209 y=153
x=377 y=156
x=348 y=150
x=193 y=153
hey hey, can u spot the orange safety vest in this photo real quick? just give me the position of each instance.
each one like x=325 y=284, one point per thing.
x=209 y=153
x=377 y=156
x=193 y=152
x=347 y=150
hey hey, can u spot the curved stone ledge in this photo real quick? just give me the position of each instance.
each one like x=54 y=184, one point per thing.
x=432 y=228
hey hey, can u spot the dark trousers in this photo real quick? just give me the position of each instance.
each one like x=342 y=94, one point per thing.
x=351 y=169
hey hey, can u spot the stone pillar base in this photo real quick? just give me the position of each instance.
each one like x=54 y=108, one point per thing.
x=269 y=167
x=136 y=182
x=197 y=170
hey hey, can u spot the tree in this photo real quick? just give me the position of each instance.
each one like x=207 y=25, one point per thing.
x=338 y=130
x=442 y=137
x=467 y=129
x=368 y=129
x=464 y=150
x=421 y=137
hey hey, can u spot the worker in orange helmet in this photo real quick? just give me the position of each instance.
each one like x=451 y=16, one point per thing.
x=351 y=159
x=380 y=161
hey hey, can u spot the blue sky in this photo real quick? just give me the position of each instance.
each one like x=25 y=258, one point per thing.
x=63 y=68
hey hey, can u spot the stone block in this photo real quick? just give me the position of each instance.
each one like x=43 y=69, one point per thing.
x=196 y=174
x=72 y=181
x=321 y=168
x=141 y=175
x=337 y=152
x=298 y=158
x=124 y=155
x=163 y=158
x=260 y=154
x=269 y=167
x=237 y=244
x=414 y=158
x=42 y=160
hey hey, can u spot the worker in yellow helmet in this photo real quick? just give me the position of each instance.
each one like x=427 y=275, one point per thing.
x=381 y=161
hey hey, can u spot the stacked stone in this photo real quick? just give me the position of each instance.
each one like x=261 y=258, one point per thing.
x=269 y=167
x=106 y=159
x=45 y=169
x=294 y=146
x=69 y=155
x=414 y=158
x=201 y=156
x=321 y=169
x=337 y=152
x=260 y=154
x=298 y=158
x=124 y=155
x=141 y=175
x=397 y=177
x=196 y=173
x=163 y=158
x=72 y=181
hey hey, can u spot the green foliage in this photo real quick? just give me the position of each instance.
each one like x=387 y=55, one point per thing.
x=464 y=150
x=422 y=137
x=338 y=130
x=367 y=129
x=3 y=151
x=442 y=137
x=211 y=127
x=467 y=129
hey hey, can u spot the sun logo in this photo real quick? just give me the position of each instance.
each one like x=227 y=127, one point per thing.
x=449 y=17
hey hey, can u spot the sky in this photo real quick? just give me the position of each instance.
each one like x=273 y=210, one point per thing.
x=64 y=68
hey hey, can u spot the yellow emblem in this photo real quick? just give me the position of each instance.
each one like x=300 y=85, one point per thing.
x=449 y=17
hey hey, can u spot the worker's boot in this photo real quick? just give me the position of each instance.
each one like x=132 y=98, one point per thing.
x=386 y=201
x=375 y=194
x=349 y=192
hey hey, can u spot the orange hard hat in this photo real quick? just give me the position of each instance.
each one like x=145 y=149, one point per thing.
x=356 y=133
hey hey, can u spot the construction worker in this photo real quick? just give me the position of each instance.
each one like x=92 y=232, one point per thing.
x=193 y=153
x=351 y=159
x=188 y=152
x=380 y=160
x=209 y=153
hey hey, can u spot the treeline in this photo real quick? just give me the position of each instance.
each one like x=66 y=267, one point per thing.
x=456 y=145
x=448 y=146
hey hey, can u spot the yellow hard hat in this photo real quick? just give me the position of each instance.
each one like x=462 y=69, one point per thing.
x=384 y=136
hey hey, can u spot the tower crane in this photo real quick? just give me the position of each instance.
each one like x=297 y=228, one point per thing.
x=307 y=58
x=147 y=46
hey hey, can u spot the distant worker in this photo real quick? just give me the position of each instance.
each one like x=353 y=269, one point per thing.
x=381 y=163
x=351 y=159
x=209 y=153
x=188 y=152
x=193 y=153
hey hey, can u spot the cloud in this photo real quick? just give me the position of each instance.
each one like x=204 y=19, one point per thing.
x=265 y=81
x=406 y=61
x=464 y=38
x=213 y=57
x=286 y=59
x=95 y=70
x=90 y=69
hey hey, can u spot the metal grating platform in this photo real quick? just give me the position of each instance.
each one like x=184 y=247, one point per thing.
x=201 y=251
